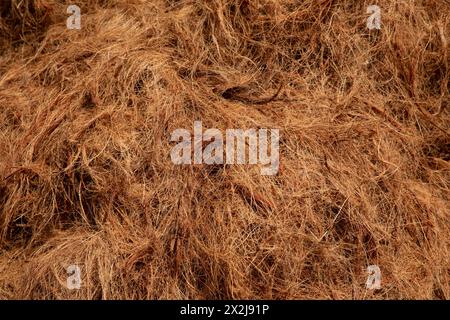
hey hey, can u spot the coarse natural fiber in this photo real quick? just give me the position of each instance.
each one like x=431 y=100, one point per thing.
x=85 y=171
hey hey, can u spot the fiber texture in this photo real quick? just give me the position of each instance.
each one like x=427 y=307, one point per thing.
x=85 y=171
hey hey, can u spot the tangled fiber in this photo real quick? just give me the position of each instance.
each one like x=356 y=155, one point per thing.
x=85 y=171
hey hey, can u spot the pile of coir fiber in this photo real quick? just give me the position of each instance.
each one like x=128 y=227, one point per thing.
x=86 y=176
